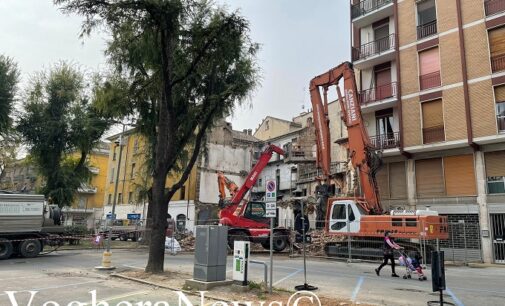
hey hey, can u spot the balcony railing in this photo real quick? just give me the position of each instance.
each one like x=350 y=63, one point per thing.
x=433 y=134
x=494 y=7
x=429 y=80
x=378 y=93
x=367 y=6
x=374 y=47
x=427 y=29
x=498 y=63
x=385 y=141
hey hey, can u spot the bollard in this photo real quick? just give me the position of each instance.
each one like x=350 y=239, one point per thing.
x=106 y=262
x=438 y=277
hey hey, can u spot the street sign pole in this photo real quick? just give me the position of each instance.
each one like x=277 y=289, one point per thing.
x=271 y=212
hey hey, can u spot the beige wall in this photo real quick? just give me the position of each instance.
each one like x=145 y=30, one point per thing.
x=454 y=114
x=411 y=122
x=407 y=22
x=271 y=128
x=483 y=109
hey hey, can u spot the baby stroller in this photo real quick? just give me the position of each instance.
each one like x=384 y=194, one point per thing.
x=412 y=264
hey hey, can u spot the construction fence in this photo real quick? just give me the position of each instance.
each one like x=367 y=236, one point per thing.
x=463 y=244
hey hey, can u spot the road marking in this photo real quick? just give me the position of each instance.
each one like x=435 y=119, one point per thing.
x=57 y=287
x=122 y=296
x=356 y=289
x=454 y=298
x=288 y=276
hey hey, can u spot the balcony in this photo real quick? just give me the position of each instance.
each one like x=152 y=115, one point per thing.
x=369 y=11
x=296 y=154
x=427 y=29
x=374 y=47
x=377 y=94
x=433 y=134
x=493 y=7
x=385 y=141
x=429 y=80
x=498 y=63
x=87 y=189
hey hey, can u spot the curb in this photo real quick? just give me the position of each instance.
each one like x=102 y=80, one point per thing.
x=166 y=287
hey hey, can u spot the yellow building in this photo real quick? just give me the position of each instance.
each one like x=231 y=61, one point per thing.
x=271 y=127
x=91 y=194
x=135 y=180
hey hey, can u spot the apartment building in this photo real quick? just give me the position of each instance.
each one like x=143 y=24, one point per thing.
x=134 y=181
x=431 y=75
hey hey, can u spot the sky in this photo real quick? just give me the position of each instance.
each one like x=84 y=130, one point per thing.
x=299 y=39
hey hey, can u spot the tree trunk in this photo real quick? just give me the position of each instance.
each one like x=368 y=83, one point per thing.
x=159 y=224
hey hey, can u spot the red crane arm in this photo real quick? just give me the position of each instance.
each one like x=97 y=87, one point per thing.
x=363 y=157
x=252 y=177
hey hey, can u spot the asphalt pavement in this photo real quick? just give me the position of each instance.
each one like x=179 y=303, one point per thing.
x=67 y=276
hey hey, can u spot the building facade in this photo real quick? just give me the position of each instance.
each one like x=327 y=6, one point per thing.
x=134 y=181
x=431 y=75
x=20 y=176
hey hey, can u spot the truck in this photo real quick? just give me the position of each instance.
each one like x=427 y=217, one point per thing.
x=361 y=215
x=27 y=224
x=246 y=219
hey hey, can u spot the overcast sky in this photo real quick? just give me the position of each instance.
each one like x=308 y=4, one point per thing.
x=299 y=39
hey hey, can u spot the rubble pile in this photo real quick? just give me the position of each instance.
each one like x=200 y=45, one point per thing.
x=188 y=243
x=317 y=246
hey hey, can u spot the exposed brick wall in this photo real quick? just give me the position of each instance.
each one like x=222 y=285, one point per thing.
x=483 y=109
x=450 y=61
x=454 y=114
x=477 y=51
x=406 y=22
x=411 y=122
x=446 y=15
x=472 y=10
x=409 y=71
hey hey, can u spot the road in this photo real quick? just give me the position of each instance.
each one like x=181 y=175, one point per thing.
x=66 y=276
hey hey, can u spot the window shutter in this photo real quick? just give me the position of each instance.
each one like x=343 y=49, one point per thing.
x=382 y=182
x=459 y=175
x=429 y=178
x=499 y=93
x=429 y=61
x=432 y=114
x=398 y=180
x=497 y=41
x=495 y=163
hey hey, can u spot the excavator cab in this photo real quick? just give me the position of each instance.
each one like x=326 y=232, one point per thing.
x=344 y=216
x=255 y=211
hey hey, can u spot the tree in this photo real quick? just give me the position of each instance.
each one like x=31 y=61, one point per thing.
x=58 y=122
x=9 y=77
x=184 y=64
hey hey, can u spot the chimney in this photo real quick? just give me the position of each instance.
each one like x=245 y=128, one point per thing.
x=249 y=131
x=244 y=131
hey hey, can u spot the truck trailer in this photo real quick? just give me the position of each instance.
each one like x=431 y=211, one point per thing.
x=27 y=224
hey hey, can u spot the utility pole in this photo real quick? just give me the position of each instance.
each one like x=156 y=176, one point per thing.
x=106 y=258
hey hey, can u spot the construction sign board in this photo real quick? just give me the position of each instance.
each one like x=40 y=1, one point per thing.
x=270 y=209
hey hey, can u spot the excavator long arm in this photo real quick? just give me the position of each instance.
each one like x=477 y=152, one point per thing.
x=363 y=157
x=252 y=177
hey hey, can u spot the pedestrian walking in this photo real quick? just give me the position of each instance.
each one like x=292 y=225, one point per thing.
x=389 y=247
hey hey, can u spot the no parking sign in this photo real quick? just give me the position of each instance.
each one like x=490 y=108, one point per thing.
x=271 y=191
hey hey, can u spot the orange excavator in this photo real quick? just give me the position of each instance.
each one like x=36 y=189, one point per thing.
x=361 y=215
x=246 y=219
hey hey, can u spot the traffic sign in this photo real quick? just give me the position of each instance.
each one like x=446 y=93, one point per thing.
x=133 y=216
x=109 y=216
x=270 y=209
x=271 y=191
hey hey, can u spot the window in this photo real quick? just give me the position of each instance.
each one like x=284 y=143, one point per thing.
x=136 y=146
x=381 y=36
x=114 y=153
x=260 y=182
x=385 y=137
x=433 y=121
x=350 y=212
x=495 y=171
x=182 y=193
x=497 y=48
x=338 y=212
x=132 y=175
x=255 y=210
x=130 y=197
x=410 y=222
x=499 y=95
x=448 y=176
x=429 y=69
x=397 y=222
x=392 y=181
x=267 y=125
x=109 y=200
x=426 y=19
x=429 y=178
x=112 y=175
x=119 y=198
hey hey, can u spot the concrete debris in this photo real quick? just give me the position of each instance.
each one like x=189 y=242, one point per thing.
x=317 y=246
